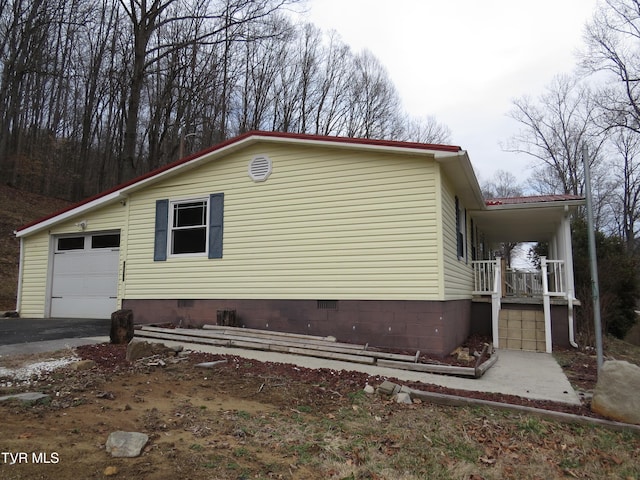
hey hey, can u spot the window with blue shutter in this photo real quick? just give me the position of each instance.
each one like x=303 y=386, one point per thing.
x=189 y=227
x=162 y=219
x=216 y=215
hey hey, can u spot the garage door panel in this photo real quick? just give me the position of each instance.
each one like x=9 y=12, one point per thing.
x=85 y=282
x=82 y=307
x=90 y=285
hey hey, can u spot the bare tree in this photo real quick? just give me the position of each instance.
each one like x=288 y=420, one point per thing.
x=425 y=130
x=503 y=185
x=554 y=129
x=625 y=182
x=93 y=92
x=375 y=104
x=612 y=47
x=225 y=24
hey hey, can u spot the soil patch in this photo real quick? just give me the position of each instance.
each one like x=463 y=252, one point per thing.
x=249 y=419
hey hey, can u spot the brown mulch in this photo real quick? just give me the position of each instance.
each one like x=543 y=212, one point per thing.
x=112 y=358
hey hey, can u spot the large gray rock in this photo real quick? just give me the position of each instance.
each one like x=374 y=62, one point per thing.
x=616 y=394
x=126 y=444
x=137 y=349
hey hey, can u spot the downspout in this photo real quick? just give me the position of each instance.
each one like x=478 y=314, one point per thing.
x=572 y=340
x=20 y=272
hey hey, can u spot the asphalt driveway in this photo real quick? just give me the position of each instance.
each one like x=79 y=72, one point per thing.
x=27 y=330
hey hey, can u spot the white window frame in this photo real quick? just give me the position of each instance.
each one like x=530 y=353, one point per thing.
x=171 y=228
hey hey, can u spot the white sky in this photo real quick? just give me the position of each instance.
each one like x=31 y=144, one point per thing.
x=464 y=61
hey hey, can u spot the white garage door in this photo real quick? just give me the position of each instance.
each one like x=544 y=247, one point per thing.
x=85 y=276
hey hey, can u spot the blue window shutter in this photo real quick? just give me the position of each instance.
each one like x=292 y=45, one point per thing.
x=459 y=246
x=464 y=238
x=162 y=220
x=216 y=216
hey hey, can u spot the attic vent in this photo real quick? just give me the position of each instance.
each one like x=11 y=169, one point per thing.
x=260 y=168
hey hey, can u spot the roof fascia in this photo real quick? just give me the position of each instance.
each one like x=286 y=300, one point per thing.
x=526 y=206
x=67 y=214
x=463 y=165
x=237 y=143
x=124 y=191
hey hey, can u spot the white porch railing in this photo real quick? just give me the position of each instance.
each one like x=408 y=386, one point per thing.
x=556 y=278
x=549 y=282
x=522 y=284
x=484 y=276
x=488 y=281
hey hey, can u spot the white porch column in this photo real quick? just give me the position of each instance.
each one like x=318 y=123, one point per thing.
x=565 y=227
x=546 y=303
x=496 y=301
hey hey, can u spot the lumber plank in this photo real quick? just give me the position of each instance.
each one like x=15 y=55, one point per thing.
x=260 y=346
x=231 y=332
x=265 y=340
x=270 y=332
x=180 y=338
x=483 y=367
x=429 y=368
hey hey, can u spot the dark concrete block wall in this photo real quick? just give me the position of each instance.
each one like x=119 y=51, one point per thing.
x=431 y=327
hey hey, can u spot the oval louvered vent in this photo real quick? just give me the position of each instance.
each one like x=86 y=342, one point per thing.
x=260 y=168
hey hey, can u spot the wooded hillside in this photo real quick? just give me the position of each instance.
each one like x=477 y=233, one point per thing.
x=94 y=92
x=17 y=208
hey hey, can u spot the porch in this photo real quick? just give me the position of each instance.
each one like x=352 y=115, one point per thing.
x=522 y=302
x=529 y=309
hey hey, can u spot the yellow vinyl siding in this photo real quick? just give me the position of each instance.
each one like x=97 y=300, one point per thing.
x=458 y=278
x=328 y=223
x=34 y=275
x=36 y=259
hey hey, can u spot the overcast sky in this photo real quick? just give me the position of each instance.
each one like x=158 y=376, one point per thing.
x=464 y=61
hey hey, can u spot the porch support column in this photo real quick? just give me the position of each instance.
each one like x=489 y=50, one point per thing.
x=496 y=301
x=568 y=254
x=546 y=302
x=568 y=271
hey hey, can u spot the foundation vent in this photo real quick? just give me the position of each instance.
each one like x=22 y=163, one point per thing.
x=260 y=168
x=327 y=304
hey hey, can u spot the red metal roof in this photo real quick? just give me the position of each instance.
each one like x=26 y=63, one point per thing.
x=240 y=138
x=532 y=199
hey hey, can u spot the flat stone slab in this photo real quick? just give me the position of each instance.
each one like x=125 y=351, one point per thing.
x=403 y=397
x=210 y=364
x=27 y=397
x=126 y=444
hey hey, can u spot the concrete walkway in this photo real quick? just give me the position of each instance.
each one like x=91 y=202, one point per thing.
x=526 y=374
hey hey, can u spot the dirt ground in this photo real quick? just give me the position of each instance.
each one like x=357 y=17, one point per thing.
x=244 y=419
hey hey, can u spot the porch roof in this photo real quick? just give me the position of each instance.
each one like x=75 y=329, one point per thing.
x=524 y=219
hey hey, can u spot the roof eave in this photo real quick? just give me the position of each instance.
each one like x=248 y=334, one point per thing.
x=122 y=191
x=550 y=204
x=460 y=162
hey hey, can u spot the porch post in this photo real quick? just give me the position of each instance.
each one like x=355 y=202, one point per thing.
x=546 y=302
x=568 y=271
x=496 y=297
